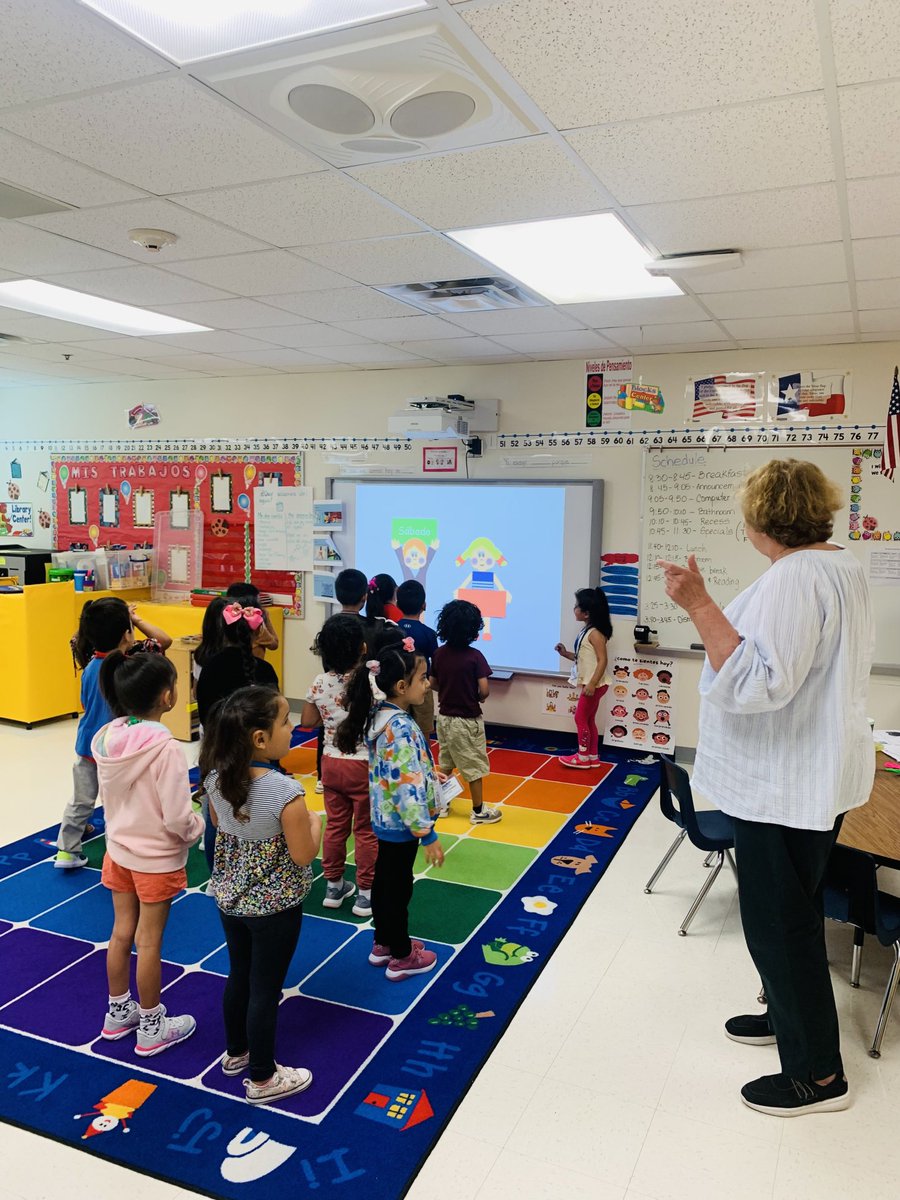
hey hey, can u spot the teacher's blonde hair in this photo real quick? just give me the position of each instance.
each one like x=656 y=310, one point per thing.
x=791 y=501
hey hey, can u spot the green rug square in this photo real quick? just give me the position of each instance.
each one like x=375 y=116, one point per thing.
x=485 y=864
x=313 y=902
x=448 y=912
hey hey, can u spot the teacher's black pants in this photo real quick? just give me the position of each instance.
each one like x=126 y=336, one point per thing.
x=780 y=882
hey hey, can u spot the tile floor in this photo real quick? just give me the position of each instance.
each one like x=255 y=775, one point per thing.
x=613 y=1082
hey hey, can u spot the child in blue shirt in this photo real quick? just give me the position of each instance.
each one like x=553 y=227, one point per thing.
x=106 y=624
x=411 y=602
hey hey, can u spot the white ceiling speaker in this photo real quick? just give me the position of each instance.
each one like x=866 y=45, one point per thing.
x=152 y=239
x=402 y=88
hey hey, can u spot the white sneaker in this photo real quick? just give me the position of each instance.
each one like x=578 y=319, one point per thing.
x=444 y=810
x=156 y=1035
x=69 y=862
x=320 y=787
x=234 y=1065
x=286 y=1081
x=487 y=815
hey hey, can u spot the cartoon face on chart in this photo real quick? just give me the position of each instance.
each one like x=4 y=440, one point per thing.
x=643 y=674
x=621 y=672
x=639 y=735
x=618 y=710
x=642 y=694
x=620 y=691
x=618 y=731
x=662 y=717
x=641 y=714
x=662 y=696
x=664 y=676
x=661 y=739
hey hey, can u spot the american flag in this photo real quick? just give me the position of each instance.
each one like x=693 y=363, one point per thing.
x=891 y=454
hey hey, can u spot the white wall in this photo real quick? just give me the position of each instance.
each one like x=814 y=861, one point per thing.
x=534 y=397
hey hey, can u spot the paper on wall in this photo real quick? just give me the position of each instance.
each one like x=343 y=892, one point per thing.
x=559 y=699
x=283 y=528
x=638 y=706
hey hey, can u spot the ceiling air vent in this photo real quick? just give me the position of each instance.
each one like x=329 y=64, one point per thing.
x=409 y=89
x=464 y=295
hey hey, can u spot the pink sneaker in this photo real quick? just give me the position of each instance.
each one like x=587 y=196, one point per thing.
x=381 y=955
x=417 y=962
x=580 y=762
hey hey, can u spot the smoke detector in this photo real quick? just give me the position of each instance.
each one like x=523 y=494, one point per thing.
x=152 y=239
x=464 y=295
x=411 y=89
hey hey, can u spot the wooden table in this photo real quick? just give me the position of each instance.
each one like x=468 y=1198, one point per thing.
x=875 y=827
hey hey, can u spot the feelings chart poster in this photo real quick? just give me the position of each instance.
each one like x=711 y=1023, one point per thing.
x=112 y=500
x=640 y=703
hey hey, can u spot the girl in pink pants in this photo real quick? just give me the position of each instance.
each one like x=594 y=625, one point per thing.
x=589 y=671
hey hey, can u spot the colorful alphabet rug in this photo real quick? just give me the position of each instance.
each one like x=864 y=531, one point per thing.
x=390 y=1061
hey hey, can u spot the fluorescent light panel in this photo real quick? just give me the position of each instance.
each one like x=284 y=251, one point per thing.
x=573 y=260
x=47 y=300
x=190 y=30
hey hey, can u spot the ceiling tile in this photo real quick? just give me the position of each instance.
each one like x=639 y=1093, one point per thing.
x=870 y=121
x=823 y=323
x=685 y=348
x=777 y=302
x=866 y=39
x=231 y=314
x=671 y=334
x=310 y=333
x=540 y=319
x=132 y=347
x=514 y=181
x=874 y=207
x=417 y=258
x=711 y=153
x=40 y=170
x=108 y=228
x=777 y=268
x=281 y=358
x=877 y=258
x=259 y=273
x=403 y=329
x=587 y=61
x=878 y=293
x=464 y=349
x=53 y=351
x=29 y=251
x=61 y=47
x=215 y=341
x=165 y=136
x=880 y=320
x=323 y=207
x=212 y=364
x=653 y=310
x=371 y=355
x=829 y=339
x=574 y=342
x=139 y=368
x=756 y=220
x=341 y=304
x=137 y=285
x=47 y=329
x=65 y=371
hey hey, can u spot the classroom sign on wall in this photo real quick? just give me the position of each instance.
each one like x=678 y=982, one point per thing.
x=639 y=708
x=112 y=500
x=16 y=519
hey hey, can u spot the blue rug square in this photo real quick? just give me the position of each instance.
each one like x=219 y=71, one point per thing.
x=88 y=915
x=193 y=929
x=350 y=978
x=40 y=887
x=319 y=938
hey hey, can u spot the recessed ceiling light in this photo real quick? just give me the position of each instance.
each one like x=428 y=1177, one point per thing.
x=190 y=30
x=573 y=260
x=47 y=300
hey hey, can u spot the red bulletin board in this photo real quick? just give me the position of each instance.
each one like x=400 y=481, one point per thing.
x=107 y=500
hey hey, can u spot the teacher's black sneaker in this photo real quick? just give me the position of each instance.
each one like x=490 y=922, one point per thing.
x=753 y=1030
x=782 y=1096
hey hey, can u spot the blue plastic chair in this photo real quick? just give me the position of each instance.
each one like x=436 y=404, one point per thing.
x=709 y=830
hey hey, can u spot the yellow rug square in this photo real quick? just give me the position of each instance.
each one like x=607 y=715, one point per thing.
x=521 y=827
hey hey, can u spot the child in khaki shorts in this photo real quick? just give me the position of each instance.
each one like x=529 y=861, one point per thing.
x=459 y=676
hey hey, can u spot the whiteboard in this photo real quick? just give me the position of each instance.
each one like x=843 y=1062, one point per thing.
x=689 y=506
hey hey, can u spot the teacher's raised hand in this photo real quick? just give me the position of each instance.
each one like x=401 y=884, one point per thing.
x=684 y=585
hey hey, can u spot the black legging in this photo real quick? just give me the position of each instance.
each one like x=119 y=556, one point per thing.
x=260 y=950
x=392 y=890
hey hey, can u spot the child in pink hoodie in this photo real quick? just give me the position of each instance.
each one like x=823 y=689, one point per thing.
x=150 y=826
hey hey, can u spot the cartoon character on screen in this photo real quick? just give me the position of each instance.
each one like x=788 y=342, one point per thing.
x=481 y=586
x=414 y=557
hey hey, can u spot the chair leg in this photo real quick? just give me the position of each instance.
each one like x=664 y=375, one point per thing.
x=886 y=1003
x=762 y=998
x=859 y=937
x=701 y=895
x=667 y=858
x=710 y=859
x=732 y=864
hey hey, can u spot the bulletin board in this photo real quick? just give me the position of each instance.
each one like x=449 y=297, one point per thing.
x=109 y=500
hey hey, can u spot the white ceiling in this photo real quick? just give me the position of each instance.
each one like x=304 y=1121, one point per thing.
x=764 y=125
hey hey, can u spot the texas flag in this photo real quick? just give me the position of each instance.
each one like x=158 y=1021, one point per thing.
x=813 y=393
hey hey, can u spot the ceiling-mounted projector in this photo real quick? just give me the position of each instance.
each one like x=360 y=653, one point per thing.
x=444 y=416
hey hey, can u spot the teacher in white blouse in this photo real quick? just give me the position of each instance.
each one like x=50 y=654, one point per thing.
x=785 y=748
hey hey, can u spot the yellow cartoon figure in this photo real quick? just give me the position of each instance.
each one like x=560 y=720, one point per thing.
x=481 y=586
x=415 y=542
x=117 y=1107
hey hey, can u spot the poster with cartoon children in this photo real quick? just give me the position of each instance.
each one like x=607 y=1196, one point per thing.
x=481 y=586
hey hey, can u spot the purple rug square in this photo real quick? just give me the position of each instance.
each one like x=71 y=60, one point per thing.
x=28 y=956
x=200 y=995
x=4 y=927
x=69 y=1008
x=333 y=1041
